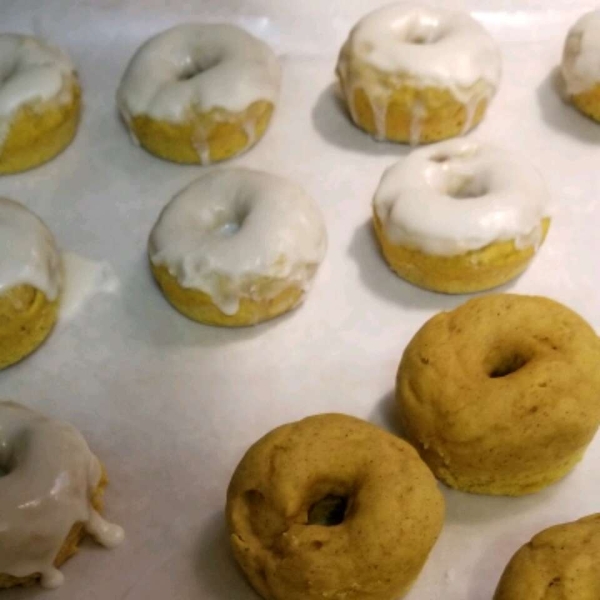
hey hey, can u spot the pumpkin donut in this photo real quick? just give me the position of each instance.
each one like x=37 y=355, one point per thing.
x=502 y=394
x=332 y=507
x=560 y=562
x=30 y=282
x=199 y=93
x=40 y=102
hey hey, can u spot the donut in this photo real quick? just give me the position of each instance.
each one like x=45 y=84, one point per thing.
x=51 y=489
x=460 y=216
x=502 y=394
x=199 y=93
x=560 y=562
x=40 y=102
x=30 y=282
x=409 y=73
x=581 y=64
x=237 y=247
x=332 y=507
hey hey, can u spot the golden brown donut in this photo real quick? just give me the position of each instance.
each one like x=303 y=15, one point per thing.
x=560 y=563
x=502 y=394
x=332 y=507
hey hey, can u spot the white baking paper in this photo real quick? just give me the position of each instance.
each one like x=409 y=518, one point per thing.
x=170 y=405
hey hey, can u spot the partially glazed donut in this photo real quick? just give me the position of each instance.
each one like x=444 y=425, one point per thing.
x=30 y=282
x=502 y=394
x=332 y=507
x=51 y=489
x=39 y=102
x=415 y=74
x=561 y=562
x=237 y=247
x=199 y=93
x=581 y=64
x=460 y=216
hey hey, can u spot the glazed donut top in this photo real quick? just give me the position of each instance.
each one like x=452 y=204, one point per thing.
x=232 y=226
x=200 y=67
x=581 y=55
x=47 y=476
x=438 y=47
x=31 y=71
x=461 y=195
x=28 y=252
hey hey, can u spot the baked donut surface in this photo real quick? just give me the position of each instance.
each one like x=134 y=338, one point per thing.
x=199 y=93
x=418 y=74
x=332 y=507
x=502 y=394
x=40 y=102
x=559 y=563
x=51 y=489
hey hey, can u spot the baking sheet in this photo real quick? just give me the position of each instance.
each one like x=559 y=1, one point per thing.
x=169 y=405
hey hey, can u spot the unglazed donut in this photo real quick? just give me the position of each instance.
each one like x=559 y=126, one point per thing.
x=332 y=507
x=560 y=562
x=581 y=64
x=199 y=93
x=39 y=102
x=51 y=489
x=414 y=74
x=237 y=247
x=460 y=216
x=502 y=394
x=30 y=282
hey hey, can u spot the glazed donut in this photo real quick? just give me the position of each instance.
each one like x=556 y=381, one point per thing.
x=199 y=93
x=460 y=216
x=414 y=74
x=560 y=562
x=332 y=507
x=502 y=394
x=30 y=282
x=581 y=64
x=51 y=489
x=237 y=247
x=39 y=102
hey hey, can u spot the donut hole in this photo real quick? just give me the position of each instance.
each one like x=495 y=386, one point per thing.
x=422 y=30
x=507 y=365
x=328 y=511
x=232 y=224
x=192 y=68
x=462 y=187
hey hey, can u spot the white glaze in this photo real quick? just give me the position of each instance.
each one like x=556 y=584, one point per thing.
x=455 y=53
x=84 y=279
x=31 y=71
x=227 y=68
x=51 y=475
x=581 y=54
x=233 y=226
x=28 y=252
x=461 y=195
